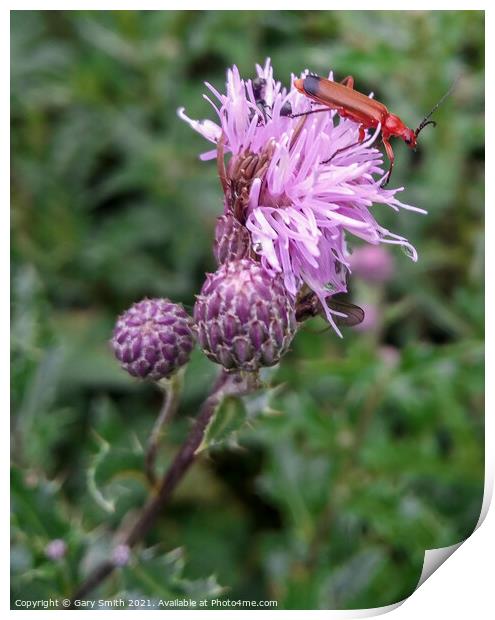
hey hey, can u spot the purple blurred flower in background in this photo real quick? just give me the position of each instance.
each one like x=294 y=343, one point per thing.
x=56 y=549
x=389 y=355
x=121 y=555
x=372 y=263
x=297 y=184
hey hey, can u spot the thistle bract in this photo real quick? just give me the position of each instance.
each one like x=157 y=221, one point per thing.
x=153 y=339
x=244 y=317
x=232 y=240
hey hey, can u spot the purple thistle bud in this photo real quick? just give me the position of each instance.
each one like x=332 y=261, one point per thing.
x=372 y=263
x=245 y=319
x=232 y=240
x=153 y=339
x=56 y=549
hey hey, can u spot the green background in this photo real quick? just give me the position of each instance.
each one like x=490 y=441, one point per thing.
x=371 y=449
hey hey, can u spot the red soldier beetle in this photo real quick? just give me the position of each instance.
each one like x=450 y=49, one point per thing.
x=369 y=113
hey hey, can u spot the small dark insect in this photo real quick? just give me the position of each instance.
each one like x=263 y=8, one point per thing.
x=286 y=109
x=355 y=314
x=259 y=86
x=309 y=306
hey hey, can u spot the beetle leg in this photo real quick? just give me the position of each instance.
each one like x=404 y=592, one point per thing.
x=341 y=150
x=297 y=132
x=309 y=112
x=361 y=137
x=348 y=81
x=390 y=155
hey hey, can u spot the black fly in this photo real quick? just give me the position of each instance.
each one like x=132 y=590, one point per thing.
x=310 y=306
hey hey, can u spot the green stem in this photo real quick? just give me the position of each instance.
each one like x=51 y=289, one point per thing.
x=171 y=393
x=227 y=384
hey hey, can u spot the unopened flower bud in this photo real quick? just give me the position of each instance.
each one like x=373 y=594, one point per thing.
x=244 y=316
x=232 y=240
x=153 y=339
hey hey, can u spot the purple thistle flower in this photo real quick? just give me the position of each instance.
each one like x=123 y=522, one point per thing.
x=297 y=184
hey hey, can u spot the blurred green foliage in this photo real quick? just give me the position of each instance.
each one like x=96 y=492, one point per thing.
x=371 y=449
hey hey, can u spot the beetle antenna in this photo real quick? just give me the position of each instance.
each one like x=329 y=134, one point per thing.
x=426 y=120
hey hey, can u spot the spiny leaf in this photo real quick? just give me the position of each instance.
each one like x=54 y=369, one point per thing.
x=109 y=471
x=162 y=575
x=225 y=423
x=107 y=504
